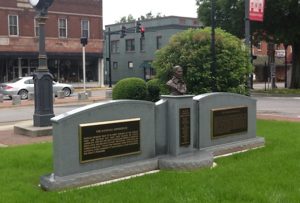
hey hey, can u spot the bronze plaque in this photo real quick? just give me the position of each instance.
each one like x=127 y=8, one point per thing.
x=109 y=139
x=185 y=126
x=229 y=121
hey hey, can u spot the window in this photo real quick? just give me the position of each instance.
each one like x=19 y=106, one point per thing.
x=13 y=25
x=36 y=28
x=85 y=28
x=130 y=64
x=115 y=46
x=62 y=28
x=142 y=44
x=130 y=45
x=158 y=42
x=115 y=65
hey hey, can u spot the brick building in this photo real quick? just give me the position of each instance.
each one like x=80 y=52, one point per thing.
x=68 y=21
x=262 y=70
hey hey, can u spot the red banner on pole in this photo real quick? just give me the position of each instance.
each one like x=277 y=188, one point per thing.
x=256 y=10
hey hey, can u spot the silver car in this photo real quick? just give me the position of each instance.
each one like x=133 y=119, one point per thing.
x=22 y=86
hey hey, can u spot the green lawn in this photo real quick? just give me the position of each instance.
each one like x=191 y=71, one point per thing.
x=269 y=174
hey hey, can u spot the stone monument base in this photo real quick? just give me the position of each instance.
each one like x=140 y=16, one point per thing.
x=196 y=160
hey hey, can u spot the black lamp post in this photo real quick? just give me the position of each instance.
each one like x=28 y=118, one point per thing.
x=285 y=65
x=109 y=58
x=43 y=100
x=213 y=48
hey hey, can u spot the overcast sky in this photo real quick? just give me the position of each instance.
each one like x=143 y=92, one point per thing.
x=113 y=10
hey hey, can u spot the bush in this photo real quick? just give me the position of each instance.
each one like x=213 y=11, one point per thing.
x=130 y=88
x=153 y=87
x=191 y=50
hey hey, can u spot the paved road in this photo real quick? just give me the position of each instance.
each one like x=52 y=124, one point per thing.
x=283 y=106
x=15 y=114
x=8 y=115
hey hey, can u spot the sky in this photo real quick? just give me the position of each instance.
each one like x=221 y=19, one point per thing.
x=114 y=10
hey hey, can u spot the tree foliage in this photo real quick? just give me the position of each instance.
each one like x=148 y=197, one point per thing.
x=130 y=18
x=280 y=24
x=191 y=50
x=228 y=16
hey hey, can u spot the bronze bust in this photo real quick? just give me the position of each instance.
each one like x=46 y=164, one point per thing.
x=176 y=85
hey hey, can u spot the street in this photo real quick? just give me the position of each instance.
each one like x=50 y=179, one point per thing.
x=281 y=106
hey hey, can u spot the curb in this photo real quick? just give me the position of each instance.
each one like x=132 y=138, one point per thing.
x=258 y=94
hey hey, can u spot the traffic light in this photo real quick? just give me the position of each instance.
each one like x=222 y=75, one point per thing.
x=123 y=31
x=41 y=4
x=142 y=31
x=138 y=26
x=83 y=41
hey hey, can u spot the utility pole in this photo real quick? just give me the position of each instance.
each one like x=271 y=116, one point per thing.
x=248 y=42
x=109 y=58
x=213 y=48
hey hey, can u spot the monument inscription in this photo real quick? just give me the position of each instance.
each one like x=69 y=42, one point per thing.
x=227 y=121
x=185 y=126
x=109 y=139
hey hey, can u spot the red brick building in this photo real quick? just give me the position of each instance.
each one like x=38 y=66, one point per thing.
x=261 y=51
x=68 y=21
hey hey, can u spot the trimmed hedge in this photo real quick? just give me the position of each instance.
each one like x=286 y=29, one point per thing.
x=130 y=88
x=153 y=87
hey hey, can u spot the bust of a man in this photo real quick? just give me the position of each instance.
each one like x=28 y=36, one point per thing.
x=176 y=84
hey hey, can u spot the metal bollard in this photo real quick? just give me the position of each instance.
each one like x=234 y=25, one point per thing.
x=89 y=93
x=108 y=94
x=60 y=94
x=16 y=100
x=31 y=96
x=1 y=98
x=82 y=96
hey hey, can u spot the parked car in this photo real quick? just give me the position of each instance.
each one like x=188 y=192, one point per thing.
x=22 y=86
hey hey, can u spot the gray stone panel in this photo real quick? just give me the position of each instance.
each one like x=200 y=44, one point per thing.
x=160 y=127
x=207 y=102
x=66 y=134
x=174 y=103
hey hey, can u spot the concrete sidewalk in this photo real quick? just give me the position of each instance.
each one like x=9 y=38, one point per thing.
x=9 y=138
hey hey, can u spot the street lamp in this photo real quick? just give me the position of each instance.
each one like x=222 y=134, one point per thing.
x=43 y=100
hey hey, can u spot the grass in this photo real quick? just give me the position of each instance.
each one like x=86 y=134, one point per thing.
x=269 y=174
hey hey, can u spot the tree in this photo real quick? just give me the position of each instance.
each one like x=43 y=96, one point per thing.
x=191 y=50
x=229 y=15
x=127 y=19
x=280 y=24
x=130 y=18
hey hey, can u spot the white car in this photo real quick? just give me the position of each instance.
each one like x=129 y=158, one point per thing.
x=22 y=86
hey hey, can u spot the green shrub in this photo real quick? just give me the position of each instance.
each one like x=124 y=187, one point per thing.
x=191 y=50
x=130 y=88
x=153 y=87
